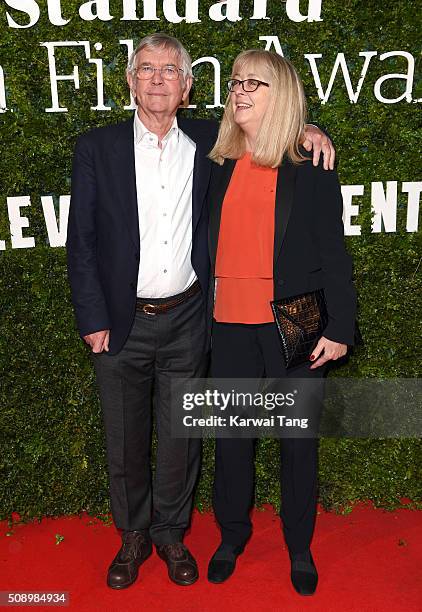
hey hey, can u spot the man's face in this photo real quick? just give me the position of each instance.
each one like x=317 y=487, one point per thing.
x=158 y=95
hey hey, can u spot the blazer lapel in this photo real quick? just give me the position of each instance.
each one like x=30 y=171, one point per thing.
x=124 y=154
x=201 y=167
x=201 y=175
x=283 y=203
x=219 y=184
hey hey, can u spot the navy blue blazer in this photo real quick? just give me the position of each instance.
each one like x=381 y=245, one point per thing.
x=103 y=246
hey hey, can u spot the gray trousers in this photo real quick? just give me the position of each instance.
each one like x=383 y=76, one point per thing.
x=133 y=382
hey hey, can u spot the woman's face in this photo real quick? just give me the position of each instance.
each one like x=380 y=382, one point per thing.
x=249 y=107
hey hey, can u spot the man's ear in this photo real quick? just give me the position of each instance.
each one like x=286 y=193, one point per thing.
x=186 y=90
x=129 y=79
x=131 y=83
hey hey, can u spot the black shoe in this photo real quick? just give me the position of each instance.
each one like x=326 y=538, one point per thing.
x=223 y=562
x=123 y=571
x=303 y=574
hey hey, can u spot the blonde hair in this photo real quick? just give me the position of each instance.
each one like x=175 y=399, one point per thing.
x=284 y=120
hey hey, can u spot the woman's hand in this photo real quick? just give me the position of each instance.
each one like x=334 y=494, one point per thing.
x=326 y=350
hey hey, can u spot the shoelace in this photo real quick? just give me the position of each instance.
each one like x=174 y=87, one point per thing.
x=131 y=541
x=175 y=551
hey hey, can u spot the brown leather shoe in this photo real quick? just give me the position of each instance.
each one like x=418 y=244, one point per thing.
x=182 y=568
x=123 y=571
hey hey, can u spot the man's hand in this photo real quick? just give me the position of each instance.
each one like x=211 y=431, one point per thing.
x=318 y=141
x=326 y=350
x=98 y=341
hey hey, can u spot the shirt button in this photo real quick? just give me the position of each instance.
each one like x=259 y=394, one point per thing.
x=162 y=187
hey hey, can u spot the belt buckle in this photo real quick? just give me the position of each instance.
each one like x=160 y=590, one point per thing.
x=148 y=312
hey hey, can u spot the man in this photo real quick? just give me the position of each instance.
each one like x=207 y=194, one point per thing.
x=138 y=269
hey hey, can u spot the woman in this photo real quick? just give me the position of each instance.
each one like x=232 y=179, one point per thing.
x=275 y=231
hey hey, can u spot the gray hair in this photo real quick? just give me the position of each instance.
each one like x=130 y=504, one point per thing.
x=162 y=41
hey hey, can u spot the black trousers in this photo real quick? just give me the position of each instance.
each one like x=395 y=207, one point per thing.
x=253 y=351
x=130 y=383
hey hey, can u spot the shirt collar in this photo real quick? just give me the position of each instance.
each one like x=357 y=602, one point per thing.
x=142 y=133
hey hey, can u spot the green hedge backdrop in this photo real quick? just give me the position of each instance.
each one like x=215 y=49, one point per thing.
x=52 y=458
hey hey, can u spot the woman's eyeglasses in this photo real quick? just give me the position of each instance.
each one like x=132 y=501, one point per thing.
x=248 y=85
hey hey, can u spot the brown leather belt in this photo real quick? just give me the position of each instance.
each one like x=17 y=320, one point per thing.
x=159 y=306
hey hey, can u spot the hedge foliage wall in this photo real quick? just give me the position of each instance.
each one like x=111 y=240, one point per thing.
x=52 y=458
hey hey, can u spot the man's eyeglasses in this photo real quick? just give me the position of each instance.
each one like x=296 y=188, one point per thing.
x=169 y=73
x=248 y=85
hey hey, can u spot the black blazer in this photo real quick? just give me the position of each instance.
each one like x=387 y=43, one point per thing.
x=309 y=250
x=103 y=247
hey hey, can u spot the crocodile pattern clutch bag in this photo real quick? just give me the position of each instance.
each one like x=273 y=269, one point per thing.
x=300 y=322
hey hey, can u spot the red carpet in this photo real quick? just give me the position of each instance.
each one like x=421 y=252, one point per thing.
x=369 y=560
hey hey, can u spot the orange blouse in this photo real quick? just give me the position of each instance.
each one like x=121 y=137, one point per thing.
x=244 y=262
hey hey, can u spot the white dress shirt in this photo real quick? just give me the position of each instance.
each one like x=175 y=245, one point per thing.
x=164 y=178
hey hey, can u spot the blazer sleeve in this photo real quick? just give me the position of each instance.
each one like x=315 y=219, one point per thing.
x=336 y=263
x=87 y=293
